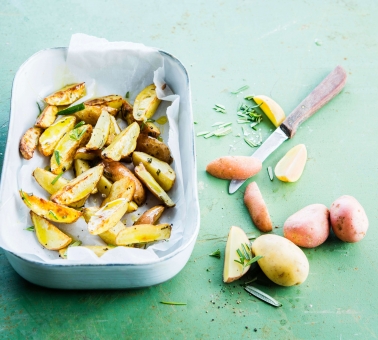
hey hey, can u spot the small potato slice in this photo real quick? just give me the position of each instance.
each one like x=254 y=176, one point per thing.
x=47 y=117
x=52 y=135
x=150 y=129
x=65 y=151
x=29 y=142
x=154 y=147
x=114 y=131
x=49 y=236
x=144 y=233
x=50 y=210
x=81 y=166
x=146 y=103
x=100 y=132
x=127 y=112
x=123 y=188
x=151 y=216
x=67 y=95
x=132 y=207
x=79 y=187
x=123 y=145
x=152 y=185
x=88 y=155
x=159 y=170
x=48 y=181
x=107 y=217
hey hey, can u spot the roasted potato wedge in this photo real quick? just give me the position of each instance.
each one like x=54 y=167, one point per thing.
x=49 y=181
x=143 y=233
x=29 y=142
x=52 y=135
x=159 y=170
x=150 y=129
x=152 y=185
x=123 y=145
x=146 y=103
x=67 y=95
x=132 y=207
x=47 y=117
x=146 y=127
x=88 y=155
x=49 y=236
x=65 y=151
x=107 y=217
x=50 y=210
x=100 y=132
x=115 y=171
x=154 y=147
x=114 y=101
x=81 y=166
x=123 y=188
x=151 y=216
x=104 y=186
x=114 y=131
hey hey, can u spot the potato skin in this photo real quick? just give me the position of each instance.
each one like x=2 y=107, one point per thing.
x=29 y=142
x=348 y=219
x=234 y=167
x=308 y=227
x=154 y=147
x=257 y=208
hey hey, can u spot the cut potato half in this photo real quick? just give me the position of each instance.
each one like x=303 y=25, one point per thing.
x=146 y=103
x=67 y=95
x=143 y=233
x=98 y=250
x=272 y=110
x=291 y=166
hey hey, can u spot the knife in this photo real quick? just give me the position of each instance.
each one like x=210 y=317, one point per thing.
x=321 y=95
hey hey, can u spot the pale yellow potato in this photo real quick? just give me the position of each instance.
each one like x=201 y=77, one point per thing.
x=52 y=211
x=283 y=262
x=47 y=117
x=154 y=147
x=123 y=188
x=273 y=111
x=100 y=132
x=88 y=155
x=67 y=95
x=48 y=235
x=146 y=103
x=52 y=135
x=48 y=181
x=151 y=216
x=143 y=233
x=291 y=166
x=160 y=171
x=132 y=207
x=29 y=142
x=114 y=131
x=104 y=186
x=80 y=166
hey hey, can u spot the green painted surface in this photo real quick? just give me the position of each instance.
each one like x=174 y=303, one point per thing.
x=281 y=49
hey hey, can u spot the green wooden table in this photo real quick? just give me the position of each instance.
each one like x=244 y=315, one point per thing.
x=278 y=48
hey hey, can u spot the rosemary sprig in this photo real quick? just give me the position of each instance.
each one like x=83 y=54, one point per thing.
x=127 y=94
x=57 y=178
x=202 y=133
x=76 y=135
x=243 y=88
x=75 y=244
x=57 y=157
x=52 y=214
x=72 y=109
x=173 y=303
x=270 y=173
x=31 y=228
x=23 y=197
x=262 y=296
x=245 y=256
x=216 y=254
x=79 y=124
x=40 y=110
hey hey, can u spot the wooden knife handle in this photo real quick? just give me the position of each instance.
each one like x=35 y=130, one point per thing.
x=320 y=96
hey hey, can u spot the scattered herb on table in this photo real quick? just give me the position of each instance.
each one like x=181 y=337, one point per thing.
x=243 y=88
x=39 y=108
x=127 y=94
x=216 y=254
x=57 y=157
x=219 y=108
x=262 y=296
x=173 y=303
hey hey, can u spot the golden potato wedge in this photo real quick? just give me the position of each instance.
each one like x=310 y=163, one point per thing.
x=78 y=204
x=127 y=112
x=123 y=144
x=113 y=100
x=67 y=95
x=159 y=170
x=150 y=216
x=88 y=155
x=52 y=135
x=154 y=147
x=47 y=117
x=65 y=151
x=123 y=188
x=114 y=131
x=49 y=181
x=116 y=170
x=100 y=132
x=150 y=129
x=132 y=207
x=79 y=187
x=48 y=235
x=107 y=217
x=143 y=233
x=146 y=103
x=152 y=185
x=50 y=210
x=88 y=212
x=29 y=142
x=104 y=186
x=80 y=166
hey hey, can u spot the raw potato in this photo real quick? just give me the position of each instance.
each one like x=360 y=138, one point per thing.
x=29 y=142
x=272 y=110
x=144 y=233
x=348 y=219
x=151 y=216
x=47 y=117
x=291 y=166
x=234 y=167
x=123 y=188
x=308 y=227
x=146 y=103
x=283 y=262
x=154 y=147
x=67 y=95
x=257 y=208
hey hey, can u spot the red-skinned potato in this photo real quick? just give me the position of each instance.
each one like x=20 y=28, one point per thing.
x=348 y=219
x=308 y=227
x=234 y=167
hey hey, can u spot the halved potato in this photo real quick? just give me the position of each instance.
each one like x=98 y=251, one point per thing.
x=152 y=185
x=49 y=181
x=123 y=188
x=144 y=233
x=114 y=131
x=107 y=217
x=150 y=216
x=159 y=170
x=52 y=135
x=29 y=142
x=47 y=117
x=50 y=210
x=88 y=155
x=123 y=145
x=100 y=132
x=154 y=147
x=49 y=236
x=146 y=103
x=67 y=95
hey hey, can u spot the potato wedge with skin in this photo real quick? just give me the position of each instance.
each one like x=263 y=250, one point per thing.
x=65 y=151
x=150 y=129
x=100 y=132
x=144 y=233
x=152 y=185
x=81 y=166
x=146 y=103
x=151 y=216
x=47 y=180
x=114 y=101
x=114 y=131
x=159 y=170
x=51 y=211
x=52 y=135
x=47 y=117
x=123 y=145
x=48 y=235
x=29 y=142
x=123 y=188
x=132 y=207
x=127 y=112
x=107 y=217
x=67 y=95
x=154 y=147
x=87 y=155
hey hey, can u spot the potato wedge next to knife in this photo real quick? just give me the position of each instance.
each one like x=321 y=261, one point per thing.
x=67 y=95
x=100 y=132
x=144 y=233
x=47 y=117
x=146 y=103
x=29 y=142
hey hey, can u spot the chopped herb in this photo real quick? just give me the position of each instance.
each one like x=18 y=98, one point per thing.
x=219 y=108
x=52 y=214
x=216 y=254
x=210 y=134
x=195 y=122
x=158 y=172
x=245 y=133
x=149 y=160
x=75 y=135
x=75 y=244
x=270 y=173
x=150 y=120
x=127 y=94
x=225 y=125
x=40 y=110
x=245 y=256
x=243 y=88
x=202 y=133
x=251 y=143
x=222 y=132
x=79 y=124
x=31 y=228
x=57 y=157
x=217 y=123
x=262 y=296
x=72 y=109
x=24 y=198
x=160 y=138
x=173 y=303
x=56 y=178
